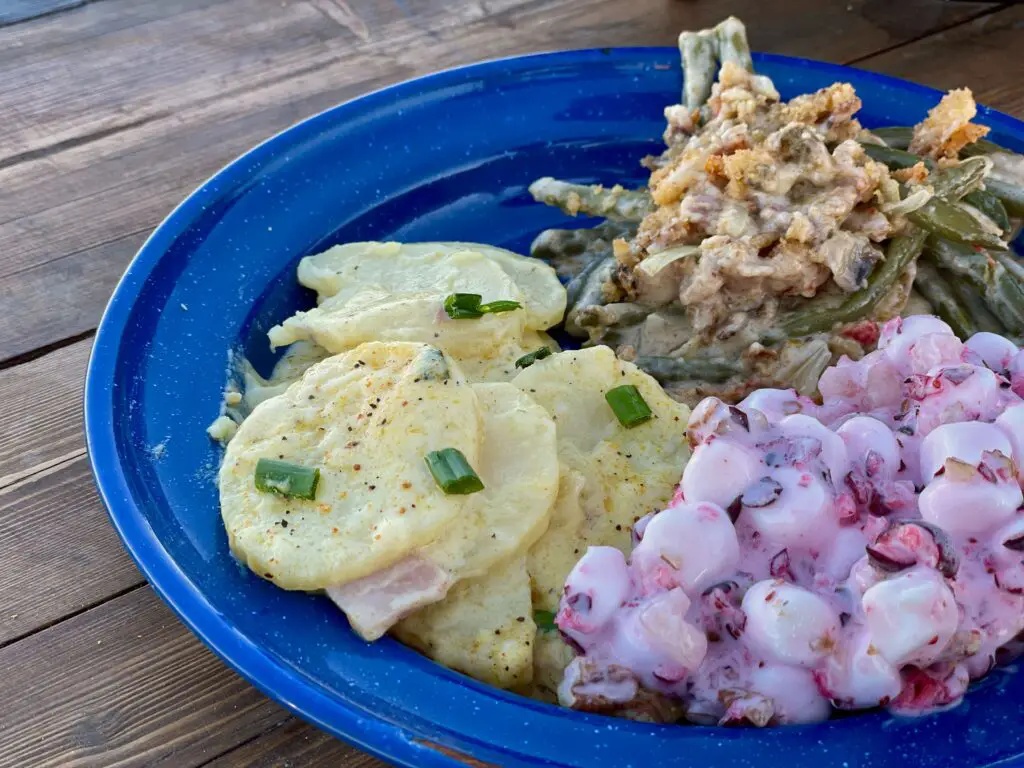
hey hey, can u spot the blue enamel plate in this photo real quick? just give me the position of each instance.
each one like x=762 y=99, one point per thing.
x=445 y=157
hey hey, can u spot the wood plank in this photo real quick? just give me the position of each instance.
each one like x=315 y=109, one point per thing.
x=60 y=553
x=244 y=69
x=14 y=11
x=295 y=743
x=123 y=685
x=983 y=55
x=41 y=419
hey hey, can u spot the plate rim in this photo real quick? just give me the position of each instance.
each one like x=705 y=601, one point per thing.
x=254 y=664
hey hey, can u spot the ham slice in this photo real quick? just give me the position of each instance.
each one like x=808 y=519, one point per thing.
x=376 y=602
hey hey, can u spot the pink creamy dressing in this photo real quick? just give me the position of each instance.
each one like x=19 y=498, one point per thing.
x=864 y=552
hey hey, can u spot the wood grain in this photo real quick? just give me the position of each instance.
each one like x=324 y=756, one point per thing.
x=984 y=55
x=164 y=101
x=60 y=553
x=295 y=744
x=41 y=417
x=123 y=685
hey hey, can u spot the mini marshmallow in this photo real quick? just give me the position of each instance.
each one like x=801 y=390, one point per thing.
x=788 y=623
x=911 y=617
x=965 y=441
x=692 y=545
x=719 y=471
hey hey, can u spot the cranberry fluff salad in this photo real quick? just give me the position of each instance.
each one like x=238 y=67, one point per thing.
x=865 y=552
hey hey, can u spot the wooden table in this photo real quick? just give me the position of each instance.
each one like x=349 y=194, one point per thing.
x=113 y=111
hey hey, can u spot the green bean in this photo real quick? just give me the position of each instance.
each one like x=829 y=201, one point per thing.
x=815 y=318
x=975 y=305
x=953 y=223
x=1011 y=263
x=613 y=203
x=895 y=158
x=732 y=43
x=1001 y=292
x=934 y=287
x=570 y=250
x=699 y=51
x=1010 y=195
x=585 y=290
x=956 y=181
x=895 y=136
x=669 y=370
x=991 y=206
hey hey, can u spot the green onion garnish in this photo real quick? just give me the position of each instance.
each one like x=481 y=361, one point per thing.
x=467 y=306
x=538 y=354
x=545 y=621
x=629 y=407
x=494 y=307
x=285 y=479
x=452 y=472
x=463 y=306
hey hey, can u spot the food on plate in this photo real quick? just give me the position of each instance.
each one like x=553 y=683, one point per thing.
x=484 y=628
x=340 y=417
x=861 y=552
x=391 y=425
x=773 y=236
x=612 y=475
x=504 y=513
x=847 y=535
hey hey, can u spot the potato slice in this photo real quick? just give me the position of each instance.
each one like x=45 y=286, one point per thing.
x=483 y=628
x=346 y=320
x=551 y=655
x=611 y=476
x=545 y=296
x=366 y=418
x=439 y=268
x=519 y=467
x=500 y=364
x=344 y=270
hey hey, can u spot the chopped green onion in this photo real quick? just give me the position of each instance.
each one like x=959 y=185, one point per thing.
x=286 y=479
x=629 y=407
x=494 y=307
x=452 y=472
x=545 y=621
x=463 y=306
x=529 y=359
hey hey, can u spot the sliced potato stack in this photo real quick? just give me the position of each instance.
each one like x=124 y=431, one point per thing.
x=458 y=577
x=365 y=420
x=380 y=536
x=395 y=292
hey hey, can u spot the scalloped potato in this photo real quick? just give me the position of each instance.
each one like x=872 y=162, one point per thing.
x=376 y=499
x=484 y=628
x=612 y=476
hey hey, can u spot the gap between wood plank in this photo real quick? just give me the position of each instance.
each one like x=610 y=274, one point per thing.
x=15 y=480
x=84 y=609
x=932 y=33
x=256 y=737
x=78 y=141
x=43 y=351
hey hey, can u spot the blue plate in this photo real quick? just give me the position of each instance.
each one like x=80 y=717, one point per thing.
x=445 y=157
